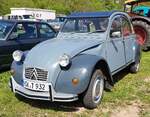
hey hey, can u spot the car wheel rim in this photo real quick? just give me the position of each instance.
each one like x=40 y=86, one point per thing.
x=98 y=89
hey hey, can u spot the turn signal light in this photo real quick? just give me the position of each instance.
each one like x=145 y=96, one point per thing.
x=75 y=81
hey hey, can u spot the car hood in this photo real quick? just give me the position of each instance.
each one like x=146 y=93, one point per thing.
x=47 y=54
x=51 y=50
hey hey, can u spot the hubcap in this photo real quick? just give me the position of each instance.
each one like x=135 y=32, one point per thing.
x=98 y=89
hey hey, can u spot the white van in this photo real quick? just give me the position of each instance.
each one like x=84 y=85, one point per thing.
x=20 y=17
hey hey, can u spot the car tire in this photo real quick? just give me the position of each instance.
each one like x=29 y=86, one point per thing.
x=134 y=68
x=94 y=93
x=143 y=29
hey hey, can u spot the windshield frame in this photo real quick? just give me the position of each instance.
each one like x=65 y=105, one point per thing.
x=80 y=18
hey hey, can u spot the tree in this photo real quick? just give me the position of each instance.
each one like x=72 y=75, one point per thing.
x=62 y=6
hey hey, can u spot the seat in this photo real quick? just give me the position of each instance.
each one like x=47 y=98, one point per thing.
x=29 y=33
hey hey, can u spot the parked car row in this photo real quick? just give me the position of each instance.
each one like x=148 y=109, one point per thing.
x=81 y=61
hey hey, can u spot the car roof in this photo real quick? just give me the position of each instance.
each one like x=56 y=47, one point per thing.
x=91 y=14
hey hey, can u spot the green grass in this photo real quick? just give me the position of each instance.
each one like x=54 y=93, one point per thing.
x=130 y=88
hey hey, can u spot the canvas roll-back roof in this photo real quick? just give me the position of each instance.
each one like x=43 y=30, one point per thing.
x=90 y=14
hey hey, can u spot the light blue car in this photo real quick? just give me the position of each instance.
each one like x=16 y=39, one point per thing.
x=80 y=62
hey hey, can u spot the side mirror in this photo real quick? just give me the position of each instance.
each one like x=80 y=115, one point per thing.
x=13 y=36
x=116 y=34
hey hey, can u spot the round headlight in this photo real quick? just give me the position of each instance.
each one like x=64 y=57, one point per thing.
x=17 y=55
x=64 y=60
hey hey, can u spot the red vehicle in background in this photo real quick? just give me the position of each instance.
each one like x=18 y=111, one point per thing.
x=139 y=10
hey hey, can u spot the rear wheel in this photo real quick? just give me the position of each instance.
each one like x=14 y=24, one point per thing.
x=94 y=93
x=134 y=68
x=142 y=30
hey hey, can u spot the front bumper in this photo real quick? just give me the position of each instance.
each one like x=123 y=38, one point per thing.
x=51 y=95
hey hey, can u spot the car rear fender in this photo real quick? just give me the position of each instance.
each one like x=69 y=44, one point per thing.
x=137 y=51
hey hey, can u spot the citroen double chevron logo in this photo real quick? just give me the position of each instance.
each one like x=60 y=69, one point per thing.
x=34 y=74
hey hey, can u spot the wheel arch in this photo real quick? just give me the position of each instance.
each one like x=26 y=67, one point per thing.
x=103 y=65
x=144 y=19
x=137 y=52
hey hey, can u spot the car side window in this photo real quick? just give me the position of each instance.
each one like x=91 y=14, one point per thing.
x=126 y=27
x=115 y=31
x=45 y=31
x=24 y=31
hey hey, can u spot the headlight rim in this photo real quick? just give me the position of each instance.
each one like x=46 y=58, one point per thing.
x=68 y=62
x=20 y=56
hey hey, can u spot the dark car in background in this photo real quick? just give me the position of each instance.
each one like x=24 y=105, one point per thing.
x=21 y=35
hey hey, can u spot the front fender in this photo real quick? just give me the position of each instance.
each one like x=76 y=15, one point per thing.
x=81 y=68
x=18 y=68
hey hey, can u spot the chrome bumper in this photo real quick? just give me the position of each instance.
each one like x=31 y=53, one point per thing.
x=51 y=95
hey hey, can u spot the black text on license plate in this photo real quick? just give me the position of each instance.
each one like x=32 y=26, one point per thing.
x=35 y=86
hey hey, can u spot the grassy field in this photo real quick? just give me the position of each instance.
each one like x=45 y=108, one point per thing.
x=130 y=97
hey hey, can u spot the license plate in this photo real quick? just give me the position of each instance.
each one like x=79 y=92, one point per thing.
x=36 y=86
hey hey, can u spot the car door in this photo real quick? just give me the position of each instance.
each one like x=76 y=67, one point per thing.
x=8 y=44
x=7 y=47
x=129 y=36
x=115 y=46
x=26 y=35
x=45 y=31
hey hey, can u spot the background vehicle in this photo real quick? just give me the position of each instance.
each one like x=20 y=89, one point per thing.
x=21 y=35
x=90 y=48
x=140 y=13
x=57 y=23
x=142 y=10
x=19 y=17
x=38 y=14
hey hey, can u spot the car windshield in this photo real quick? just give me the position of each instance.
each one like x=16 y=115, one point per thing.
x=85 y=25
x=5 y=27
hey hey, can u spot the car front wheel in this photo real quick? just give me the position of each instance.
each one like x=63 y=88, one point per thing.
x=94 y=93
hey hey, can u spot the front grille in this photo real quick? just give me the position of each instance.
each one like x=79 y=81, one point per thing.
x=36 y=74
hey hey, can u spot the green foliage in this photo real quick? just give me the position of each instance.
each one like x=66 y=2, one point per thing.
x=61 y=6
